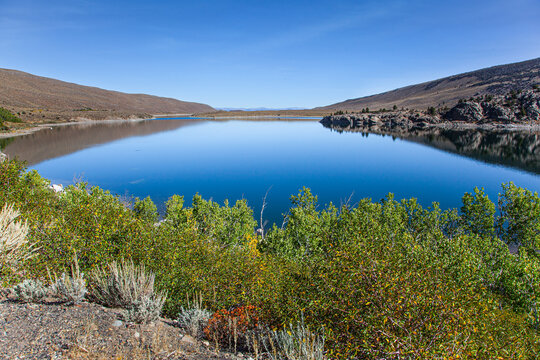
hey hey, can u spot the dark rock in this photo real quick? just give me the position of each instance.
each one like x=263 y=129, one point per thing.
x=494 y=112
x=466 y=111
x=531 y=105
x=533 y=111
x=337 y=121
x=374 y=120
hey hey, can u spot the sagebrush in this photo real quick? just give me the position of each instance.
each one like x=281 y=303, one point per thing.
x=130 y=287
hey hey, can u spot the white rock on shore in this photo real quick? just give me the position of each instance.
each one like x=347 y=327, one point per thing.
x=58 y=188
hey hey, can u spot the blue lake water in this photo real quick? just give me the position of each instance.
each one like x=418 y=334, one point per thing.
x=245 y=159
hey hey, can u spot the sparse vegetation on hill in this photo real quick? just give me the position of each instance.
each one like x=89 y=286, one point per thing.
x=43 y=99
x=497 y=80
x=7 y=116
x=386 y=279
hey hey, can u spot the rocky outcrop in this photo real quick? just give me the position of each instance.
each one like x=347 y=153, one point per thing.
x=514 y=107
x=531 y=105
x=467 y=111
x=381 y=120
x=496 y=111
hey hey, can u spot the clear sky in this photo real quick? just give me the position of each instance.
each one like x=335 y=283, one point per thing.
x=260 y=53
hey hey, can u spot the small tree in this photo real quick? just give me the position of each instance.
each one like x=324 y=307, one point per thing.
x=175 y=209
x=478 y=213
x=146 y=209
x=519 y=221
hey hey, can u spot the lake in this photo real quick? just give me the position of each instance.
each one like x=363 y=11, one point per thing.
x=237 y=159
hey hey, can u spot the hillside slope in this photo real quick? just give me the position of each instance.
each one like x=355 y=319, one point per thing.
x=21 y=90
x=447 y=91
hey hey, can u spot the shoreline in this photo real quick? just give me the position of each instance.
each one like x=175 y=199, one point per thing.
x=330 y=120
x=37 y=127
x=247 y=117
x=392 y=121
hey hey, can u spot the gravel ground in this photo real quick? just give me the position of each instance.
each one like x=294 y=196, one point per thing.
x=88 y=331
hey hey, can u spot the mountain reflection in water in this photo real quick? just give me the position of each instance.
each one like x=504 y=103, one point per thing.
x=63 y=140
x=512 y=148
x=238 y=159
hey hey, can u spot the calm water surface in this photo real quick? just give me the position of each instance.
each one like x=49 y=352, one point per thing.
x=244 y=159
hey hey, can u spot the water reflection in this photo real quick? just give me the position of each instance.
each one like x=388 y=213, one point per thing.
x=518 y=149
x=63 y=140
x=235 y=159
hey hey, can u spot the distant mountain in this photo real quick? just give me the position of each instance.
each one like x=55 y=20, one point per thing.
x=497 y=80
x=22 y=90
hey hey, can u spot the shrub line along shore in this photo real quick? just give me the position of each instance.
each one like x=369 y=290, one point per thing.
x=386 y=279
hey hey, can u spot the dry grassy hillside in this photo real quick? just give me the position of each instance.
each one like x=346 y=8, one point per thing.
x=447 y=91
x=19 y=90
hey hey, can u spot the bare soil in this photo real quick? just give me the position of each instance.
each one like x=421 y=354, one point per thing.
x=51 y=330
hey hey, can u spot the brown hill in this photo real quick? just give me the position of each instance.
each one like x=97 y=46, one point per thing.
x=447 y=91
x=20 y=90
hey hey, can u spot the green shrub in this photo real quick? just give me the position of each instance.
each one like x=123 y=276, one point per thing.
x=305 y=228
x=175 y=210
x=478 y=213
x=519 y=221
x=7 y=116
x=146 y=209
x=226 y=224
x=388 y=279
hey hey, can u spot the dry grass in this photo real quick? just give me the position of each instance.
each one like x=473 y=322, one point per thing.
x=447 y=91
x=19 y=89
x=14 y=247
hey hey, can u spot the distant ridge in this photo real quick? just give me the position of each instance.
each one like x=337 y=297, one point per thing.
x=447 y=91
x=22 y=90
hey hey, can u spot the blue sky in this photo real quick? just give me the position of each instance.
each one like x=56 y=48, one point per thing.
x=262 y=53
